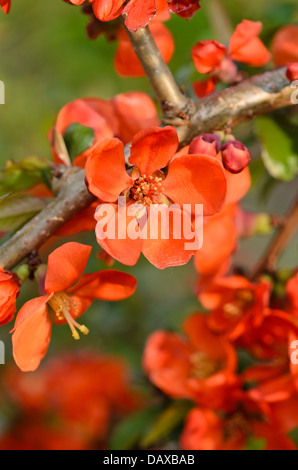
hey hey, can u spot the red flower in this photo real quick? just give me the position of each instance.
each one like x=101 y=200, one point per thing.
x=201 y=369
x=207 y=430
x=184 y=8
x=285 y=45
x=138 y=13
x=236 y=304
x=5 y=5
x=124 y=116
x=63 y=302
x=83 y=392
x=190 y=180
x=213 y=58
x=9 y=289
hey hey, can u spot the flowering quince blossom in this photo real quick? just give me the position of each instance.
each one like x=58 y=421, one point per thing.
x=9 y=290
x=204 y=366
x=66 y=388
x=206 y=429
x=189 y=180
x=138 y=13
x=235 y=303
x=63 y=301
x=5 y=5
x=213 y=58
x=123 y=116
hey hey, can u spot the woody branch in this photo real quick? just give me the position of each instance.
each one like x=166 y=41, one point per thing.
x=255 y=96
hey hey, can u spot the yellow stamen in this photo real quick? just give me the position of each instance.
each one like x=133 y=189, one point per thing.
x=62 y=304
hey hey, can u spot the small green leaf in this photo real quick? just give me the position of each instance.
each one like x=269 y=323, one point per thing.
x=18 y=176
x=17 y=208
x=167 y=422
x=77 y=139
x=280 y=148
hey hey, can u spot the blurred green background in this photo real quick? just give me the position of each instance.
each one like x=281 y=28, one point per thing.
x=46 y=60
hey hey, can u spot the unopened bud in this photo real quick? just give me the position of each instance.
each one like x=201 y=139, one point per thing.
x=235 y=156
x=292 y=71
x=205 y=144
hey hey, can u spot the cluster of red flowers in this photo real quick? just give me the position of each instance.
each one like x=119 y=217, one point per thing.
x=68 y=404
x=236 y=363
x=139 y=13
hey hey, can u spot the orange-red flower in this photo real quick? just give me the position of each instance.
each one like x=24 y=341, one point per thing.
x=207 y=430
x=212 y=57
x=63 y=301
x=202 y=368
x=9 y=289
x=285 y=45
x=236 y=304
x=138 y=13
x=190 y=180
x=122 y=116
x=69 y=403
x=5 y=5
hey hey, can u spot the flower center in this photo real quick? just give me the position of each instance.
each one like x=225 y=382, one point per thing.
x=203 y=366
x=62 y=305
x=244 y=299
x=147 y=190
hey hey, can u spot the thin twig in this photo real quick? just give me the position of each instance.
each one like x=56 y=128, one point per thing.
x=72 y=198
x=279 y=243
x=174 y=104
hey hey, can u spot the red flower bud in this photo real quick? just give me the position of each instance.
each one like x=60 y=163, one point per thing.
x=235 y=156
x=205 y=144
x=184 y=8
x=292 y=71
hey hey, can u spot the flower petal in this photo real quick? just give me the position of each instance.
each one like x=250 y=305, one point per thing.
x=139 y=13
x=165 y=244
x=135 y=111
x=220 y=240
x=123 y=249
x=107 y=10
x=105 y=170
x=108 y=285
x=246 y=47
x=197 y=179
x=153 y=148
x=65 y=266
x=31 y=337
x=207 y=55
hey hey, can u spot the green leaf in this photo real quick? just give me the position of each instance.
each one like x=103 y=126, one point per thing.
x=255 y=444
x=17 y=208
x=77 y=139
x=128 y=432
x=280 y=148
x=167 y=422
x=18 y=176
